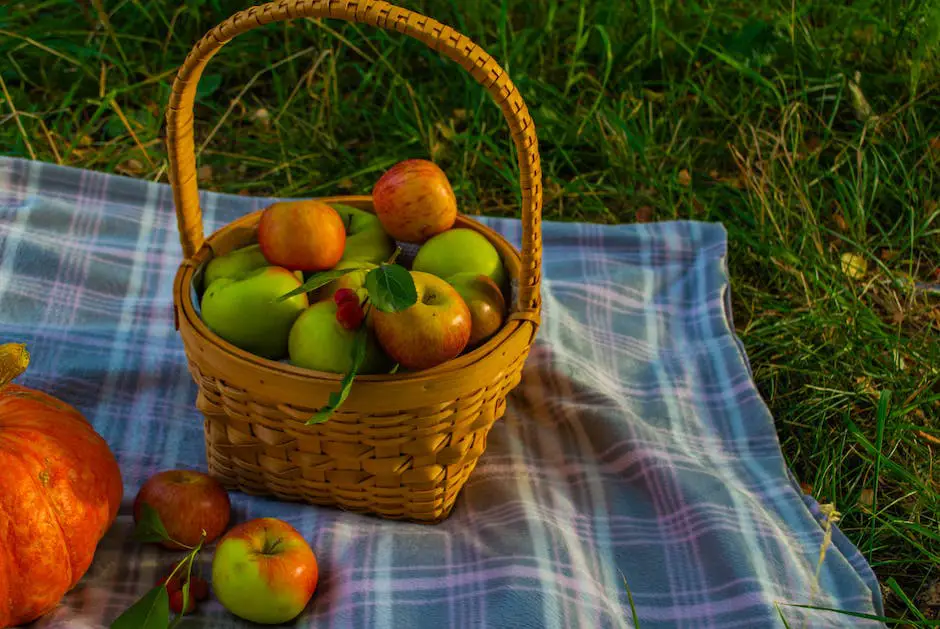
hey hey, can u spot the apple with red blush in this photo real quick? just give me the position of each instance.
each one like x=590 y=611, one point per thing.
x=435 y=329
x=188 y=502
x=264 y=571
x=302 y=235
x=414 y=201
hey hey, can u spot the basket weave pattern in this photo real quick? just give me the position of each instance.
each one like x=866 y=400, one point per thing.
x=402 y=446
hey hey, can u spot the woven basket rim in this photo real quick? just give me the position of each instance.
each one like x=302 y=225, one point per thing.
x=185 y=309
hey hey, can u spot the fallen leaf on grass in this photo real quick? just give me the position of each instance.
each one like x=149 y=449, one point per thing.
x=812 y=144
x=644 y=214
x=447 y=132
x=927 y=437
x=854 y=265
x=860 y=104
x=839 y=220
x=806 y=488
x=899 y=362
x=684 y=178
x=930 y=596
x=934 y=144
x=130 y=167
x=262 y=115
x=866 y=497
x=864 y=35
x=865 y=384
x=204 y=173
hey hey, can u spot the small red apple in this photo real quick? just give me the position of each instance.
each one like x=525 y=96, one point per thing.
x=187 y=502
x=414 y=201
x=264 y=571
x=432 y=331
x=302 y=235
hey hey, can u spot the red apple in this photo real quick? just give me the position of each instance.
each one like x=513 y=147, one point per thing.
x=264 y=571
x=302 y=235
x=414 y=201
x=432 y=331
x=187 y=502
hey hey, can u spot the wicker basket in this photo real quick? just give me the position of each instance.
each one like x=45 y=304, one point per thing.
x=401 y=446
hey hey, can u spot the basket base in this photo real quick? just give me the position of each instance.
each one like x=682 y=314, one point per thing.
x=429 y=502
x=393 y=511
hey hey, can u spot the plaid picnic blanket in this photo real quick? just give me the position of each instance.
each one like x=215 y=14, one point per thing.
x=636 y=458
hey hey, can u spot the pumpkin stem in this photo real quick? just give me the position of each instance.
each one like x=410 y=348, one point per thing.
x=14 y=359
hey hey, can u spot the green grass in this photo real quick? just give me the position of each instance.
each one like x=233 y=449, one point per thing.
x=809 y=129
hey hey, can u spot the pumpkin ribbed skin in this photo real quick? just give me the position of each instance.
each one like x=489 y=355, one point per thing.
x=60 y=490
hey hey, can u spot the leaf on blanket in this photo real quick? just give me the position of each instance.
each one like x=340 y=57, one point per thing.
x=150 y=612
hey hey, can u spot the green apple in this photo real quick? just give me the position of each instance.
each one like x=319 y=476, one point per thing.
x=263 y=570
x=460 y=250
x=354 y=280
x=319 y=342
x=486 y=303
x=235 y=263
x=245 y=312
x=366 y=239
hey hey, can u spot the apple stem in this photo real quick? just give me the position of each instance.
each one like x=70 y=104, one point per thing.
x=14 y=359
x=394 y=256
x=270 y=547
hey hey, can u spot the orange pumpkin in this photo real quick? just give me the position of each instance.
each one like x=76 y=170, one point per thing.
x=60 y=489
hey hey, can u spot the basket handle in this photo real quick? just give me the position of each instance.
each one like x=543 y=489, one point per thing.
x=443 y=39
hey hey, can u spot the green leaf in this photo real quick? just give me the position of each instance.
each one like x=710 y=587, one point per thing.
x=150 y=612
x=150 y=528
x=338 y=397
x=636 y=618
x=318 y=280
x=391 y=288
